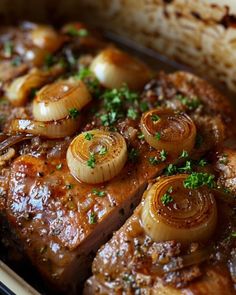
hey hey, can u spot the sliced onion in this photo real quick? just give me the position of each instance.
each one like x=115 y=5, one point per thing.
x=190 y=217
x=167 y=130
x=8 y=141
x=45 y=37
x=20 y=88
x=113 y=68
x=50 y=129
x=106 y=165
x=54 y=101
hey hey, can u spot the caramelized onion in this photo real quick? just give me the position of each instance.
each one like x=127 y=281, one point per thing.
x=54 y=101
x=8 y=141
x=20 y=88
x=50 y=129
x=45 y=37
x=166 y=130
x=96 y=156
x=172 y=212
x=113 y=68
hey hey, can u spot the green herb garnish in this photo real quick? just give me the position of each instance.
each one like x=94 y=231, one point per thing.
x=16 y=61
x=233 y=234
x=8 y=48
x=73 y=113
x=91 y=161
x=102 y=151
x=115 y=103
x=132 y=113
x=158 y=135
x=143 y=106
x=133 y=154
x=202 y=163
x=98 y=192
x=92 y=218
x=49 y=60
x=186 y=168
x=154 y=160
x=167 y=198
x=163 y=155
x=88 y=136
x=191 y=103
x=155 y=118
x=196 y=180
x=74 y=32
x=170 y=169
x=140 y=135
x=184 y=154
x=59 y=166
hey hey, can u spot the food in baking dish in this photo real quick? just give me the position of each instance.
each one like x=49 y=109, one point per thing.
x=85 y=129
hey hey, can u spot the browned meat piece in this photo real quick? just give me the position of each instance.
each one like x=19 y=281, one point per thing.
x=51 y=212
x=61 y=222
x=127 y=265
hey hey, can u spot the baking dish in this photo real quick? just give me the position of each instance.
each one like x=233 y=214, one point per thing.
x=43 y=16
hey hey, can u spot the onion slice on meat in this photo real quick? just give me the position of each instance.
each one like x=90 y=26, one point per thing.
x=168 y=130
x=96 y=156
x=19 y=90
x=45 y=37
x=50 y=129
x=172 y=212
x=113 y=68
x=54 y=101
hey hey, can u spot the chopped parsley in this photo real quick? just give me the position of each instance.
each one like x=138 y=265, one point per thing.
x=73 y=113
x=91 y=161
x=8 y=48
x=167 y=198
x=84 y=73
x=16 y=61
x=133 y=154
x=163 y=155
x=155 y=118
x=202 y=163
x=154 y=160
x=92 y=218
x=233 y=234
x=186 y=168
x=115 y=104
x=102 y=151
x=49 y=61
x=33 y=92
x=140 y=135
x=74 y=32
x=170 y=169
x=132 y=113
x=158 y=135
x=183 y=155
x=191 y=103
x=98 y=192
x=59 y=166
x=143 y=106
x=88 y=136
x=196 y=180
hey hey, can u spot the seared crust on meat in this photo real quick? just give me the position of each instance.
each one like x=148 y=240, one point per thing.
x=126 y=265
x=50 y=211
